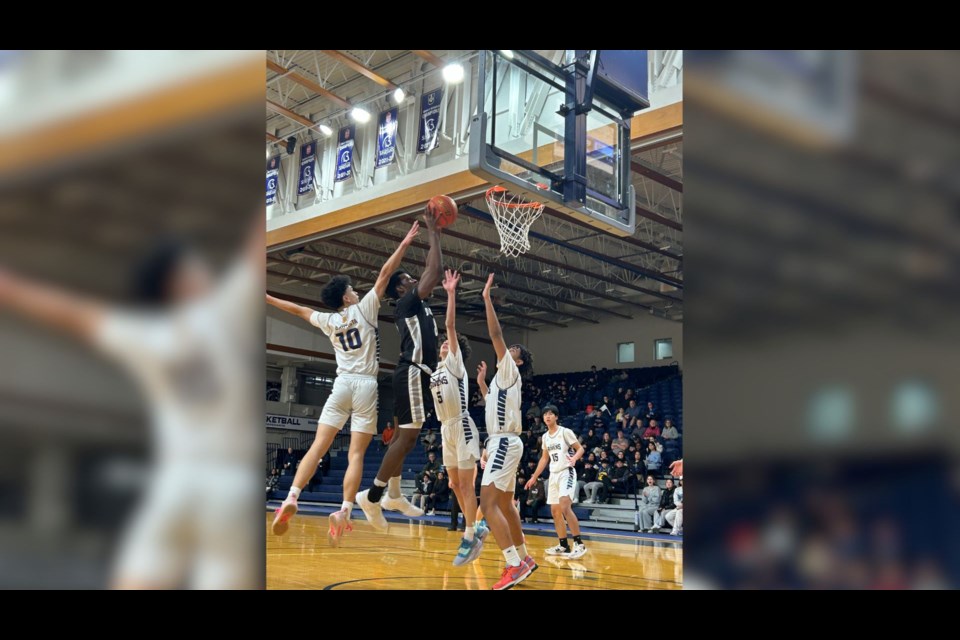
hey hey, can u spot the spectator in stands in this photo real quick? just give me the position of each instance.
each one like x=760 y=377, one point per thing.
x=604 y=457
x=650 y=414
x=628 y=396
x=652 y=431
x=669 y=431
x=387 y=436
x=534 y=410
x=610 y=404
x=653 y=459
x=290 y=462
x=656 y=443
x=424 y=487
x=273 y=480
x=618 y=477
x=537 y=427
x=439 y=493
x=674 y=517
x=430 y=442
x=638 y=466
x=621 y=415
x=592 y=412
x=536 y=498
x=591 y=441
x=630 y=415
x=593 y=486
x=666 y=503
x=620 y=443
x=432 y=466
x=588 y=475
x=606 y=443
x=649 y=503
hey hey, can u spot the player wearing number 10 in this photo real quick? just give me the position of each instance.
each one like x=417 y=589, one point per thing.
x=353 y=332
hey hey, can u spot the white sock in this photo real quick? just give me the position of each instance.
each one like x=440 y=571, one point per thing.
x=510 y=553
x=393 y=487
x=294 y=493
x=468 y=534
x=522 y=550
x=378 y=482
x=347 y=506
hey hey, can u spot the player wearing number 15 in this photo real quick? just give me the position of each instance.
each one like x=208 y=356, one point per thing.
x=353 y=332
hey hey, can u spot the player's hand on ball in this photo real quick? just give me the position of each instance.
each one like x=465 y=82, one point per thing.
x=450 y=281
x=429 y=219
x=412 y=234
x=486 y=288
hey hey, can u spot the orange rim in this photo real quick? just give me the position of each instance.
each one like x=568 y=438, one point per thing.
x=496 y=192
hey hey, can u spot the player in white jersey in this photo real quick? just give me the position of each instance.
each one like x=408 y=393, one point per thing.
x=189 y=349
x=505 y=450
x=458 y=433
x=561 y=450
x=353 y=332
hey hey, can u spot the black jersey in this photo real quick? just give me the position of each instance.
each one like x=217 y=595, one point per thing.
x=418 y=331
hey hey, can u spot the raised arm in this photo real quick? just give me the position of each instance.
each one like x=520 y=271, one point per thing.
x=450 y=286
x=393 y=262
x=482 y=378
x=544 y=459
x=290 y=307
x=53 y=307
x=493 y=325
x=433 y=272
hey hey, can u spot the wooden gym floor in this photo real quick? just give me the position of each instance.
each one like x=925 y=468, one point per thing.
x=416 y=555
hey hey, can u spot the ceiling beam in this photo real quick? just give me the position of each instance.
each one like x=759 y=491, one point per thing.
x=354 y=247
x=316 y=304
x=497 y=267
x=375 y=268
x=429 y=57
x=273 y=138
x=306 y=82
x=629 y=240
x=287 y=113
x=359 y=278
x=560 y=265
x=659 y=219
x=359 y=68
x=656 y=176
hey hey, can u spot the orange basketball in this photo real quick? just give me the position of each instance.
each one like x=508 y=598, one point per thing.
x=444 y=209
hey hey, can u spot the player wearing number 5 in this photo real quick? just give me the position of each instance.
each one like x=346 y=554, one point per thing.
x=561 y=450
x=353 y=332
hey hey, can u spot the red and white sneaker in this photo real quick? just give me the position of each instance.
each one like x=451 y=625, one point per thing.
x=340 y=525
x=281 y=521
x=511 y=576
x=529 y=565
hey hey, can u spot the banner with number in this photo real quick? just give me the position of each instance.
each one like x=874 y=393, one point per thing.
x=430 y=120
x=273 y=172
x=308 y=156
x=345 y=153
x=386 y=137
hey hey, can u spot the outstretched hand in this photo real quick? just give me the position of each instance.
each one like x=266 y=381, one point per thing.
x=450 y=281
x=487 y=287
x=412 y=234
x=482 y=371
x=429 y=219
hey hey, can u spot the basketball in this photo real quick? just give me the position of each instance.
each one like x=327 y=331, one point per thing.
x=444 y=209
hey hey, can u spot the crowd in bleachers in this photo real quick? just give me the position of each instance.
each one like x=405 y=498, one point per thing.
x=629 y=421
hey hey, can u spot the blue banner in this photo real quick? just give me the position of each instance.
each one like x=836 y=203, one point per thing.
x=308 y=156
x=386 y=137
x=273 y=171
x=345 y=153
x=430 y=120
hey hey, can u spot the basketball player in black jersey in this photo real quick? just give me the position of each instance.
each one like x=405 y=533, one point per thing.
x=411 y=379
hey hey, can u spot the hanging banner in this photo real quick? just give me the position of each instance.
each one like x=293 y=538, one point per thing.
x=345 y=153
x=308 y=156
x=386 y=137
x=273 y=171
x=430 y=120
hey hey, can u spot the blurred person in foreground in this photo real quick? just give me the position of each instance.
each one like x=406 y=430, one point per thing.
x=184 y=345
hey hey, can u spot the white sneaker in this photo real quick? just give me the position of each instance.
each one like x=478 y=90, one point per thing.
x=402 y=505
x=556 y=551
x=373 y=511
x=579 y=550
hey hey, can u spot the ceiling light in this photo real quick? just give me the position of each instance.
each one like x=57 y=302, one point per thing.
x=360 y=115
x=507 y=53
x=453 y=73
x=325 y=130
x=398 y=95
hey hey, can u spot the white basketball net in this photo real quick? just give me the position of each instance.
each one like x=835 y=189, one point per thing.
x=513 y=215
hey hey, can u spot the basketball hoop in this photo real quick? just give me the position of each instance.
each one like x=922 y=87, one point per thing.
x=513 y=215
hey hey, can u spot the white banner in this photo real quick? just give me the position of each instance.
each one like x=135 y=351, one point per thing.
x=291 y=422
